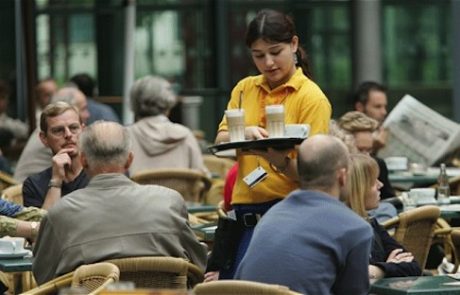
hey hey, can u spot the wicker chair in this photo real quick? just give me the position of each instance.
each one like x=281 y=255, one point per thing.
x=92 y=277
x=216 y=192
x=191 y=184
x=414 y=229
x=6 y=180
x=455 y=237
x=218 y=166
x=239 y=287
x=95 y=277
x=13 y=194
x=159 y=272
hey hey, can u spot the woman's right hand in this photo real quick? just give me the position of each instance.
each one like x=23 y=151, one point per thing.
x=255 y=132
x=398 y=256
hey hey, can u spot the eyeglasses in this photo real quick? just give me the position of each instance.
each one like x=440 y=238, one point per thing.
x=60 y=131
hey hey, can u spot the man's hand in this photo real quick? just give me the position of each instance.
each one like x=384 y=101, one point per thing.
x=61 y=163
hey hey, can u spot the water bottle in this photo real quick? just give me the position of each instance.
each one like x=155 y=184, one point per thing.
x=443 y=186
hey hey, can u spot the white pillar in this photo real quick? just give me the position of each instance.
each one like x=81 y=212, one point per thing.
x=367 y=55
x=130 y=26
x=191 y=111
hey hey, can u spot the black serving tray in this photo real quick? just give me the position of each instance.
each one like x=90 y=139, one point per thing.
x=281 y=143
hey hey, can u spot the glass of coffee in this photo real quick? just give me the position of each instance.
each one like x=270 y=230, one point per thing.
x=235 y=122
x=275 y=120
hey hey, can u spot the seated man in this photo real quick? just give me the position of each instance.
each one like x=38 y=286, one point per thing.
x=371 y=99
x=310 y=241
x=36 y=157
x=60 y=126
x=44 y=91
x=113 y=217
x=98 y=111
x=361 y=127
x=19 y=130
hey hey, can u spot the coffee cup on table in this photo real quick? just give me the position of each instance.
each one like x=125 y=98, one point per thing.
x=7 y=246
x=235 y=122
x=275 y=120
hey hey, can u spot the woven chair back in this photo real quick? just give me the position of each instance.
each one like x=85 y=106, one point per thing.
x=95 y=277
x=415 y=230
x=157 y=272
x=191 y=184
x=455 y=236
x=218 y=166
x=6 y=180
x=240 y=287
x=13 y=194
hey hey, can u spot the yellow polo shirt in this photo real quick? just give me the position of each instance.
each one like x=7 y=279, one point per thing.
x=304 y=103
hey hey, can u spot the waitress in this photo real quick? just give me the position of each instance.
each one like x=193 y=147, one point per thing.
x=285 y=79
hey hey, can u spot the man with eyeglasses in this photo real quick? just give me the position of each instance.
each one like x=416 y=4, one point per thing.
x=60 y=128
x=36 y=157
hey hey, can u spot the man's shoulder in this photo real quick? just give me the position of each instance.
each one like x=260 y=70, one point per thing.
x=41 y=177
x=101 y=111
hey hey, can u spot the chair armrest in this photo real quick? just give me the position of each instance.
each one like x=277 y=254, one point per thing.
x=52 y=286
x=387 y=224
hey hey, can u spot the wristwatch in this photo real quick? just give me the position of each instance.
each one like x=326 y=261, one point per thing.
x=55 y=183
x=34 y=228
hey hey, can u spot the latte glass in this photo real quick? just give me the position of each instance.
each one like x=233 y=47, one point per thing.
x=235 y=122
x=275 y=120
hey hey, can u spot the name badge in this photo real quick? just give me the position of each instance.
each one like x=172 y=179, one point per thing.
x=255 y=176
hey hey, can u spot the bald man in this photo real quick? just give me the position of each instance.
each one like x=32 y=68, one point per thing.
x=310 y=241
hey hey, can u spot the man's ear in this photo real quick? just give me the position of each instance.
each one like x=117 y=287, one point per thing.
x=359 y=107
x=342 y=175
x=43 y=138
x=129 y=161
x=83 y=160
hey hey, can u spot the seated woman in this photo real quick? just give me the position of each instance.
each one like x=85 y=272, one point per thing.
x=158 y=142
x=388 y=257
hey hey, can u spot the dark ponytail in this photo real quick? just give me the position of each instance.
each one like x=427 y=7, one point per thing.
x=274 y=26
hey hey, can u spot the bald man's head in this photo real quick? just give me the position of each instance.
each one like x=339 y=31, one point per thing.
x=320 y=159
x=105 y=146
x=75 y=97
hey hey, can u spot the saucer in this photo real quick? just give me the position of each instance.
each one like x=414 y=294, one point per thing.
x=18 y=254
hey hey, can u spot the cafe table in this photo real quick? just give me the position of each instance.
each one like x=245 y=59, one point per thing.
x=433 y=285
x=18 y=271
x=205 y=232
x=407 y=179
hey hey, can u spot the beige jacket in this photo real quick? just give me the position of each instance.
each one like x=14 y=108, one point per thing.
x=114 y=217
x=159 y=143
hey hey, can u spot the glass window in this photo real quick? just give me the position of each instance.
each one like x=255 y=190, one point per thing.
x=65 y=44
x=175 y=43
x=416 y=43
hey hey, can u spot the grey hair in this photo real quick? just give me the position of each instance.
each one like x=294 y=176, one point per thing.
x=151 y=96
x=105 y=144
x=67 y=94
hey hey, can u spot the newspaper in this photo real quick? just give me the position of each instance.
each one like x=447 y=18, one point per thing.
x=417 y=132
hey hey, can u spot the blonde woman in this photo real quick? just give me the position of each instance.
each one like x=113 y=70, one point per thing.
x=388 y=257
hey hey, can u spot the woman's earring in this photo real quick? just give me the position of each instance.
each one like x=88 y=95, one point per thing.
x=294 y=56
